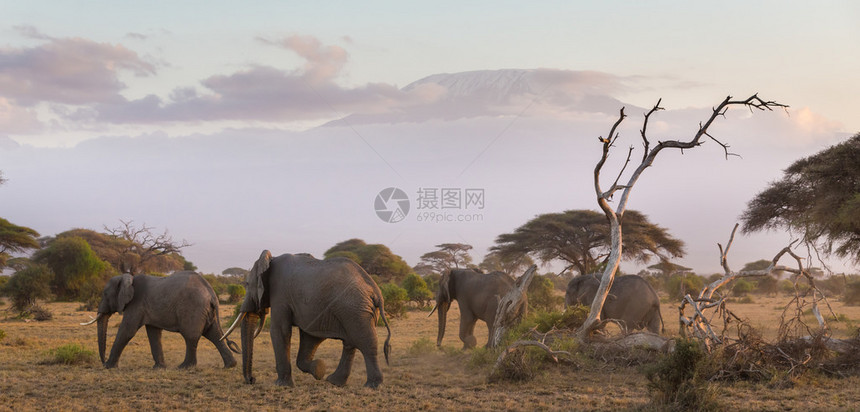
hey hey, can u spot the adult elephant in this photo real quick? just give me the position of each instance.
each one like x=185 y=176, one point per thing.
x=182 y=302
x=631 y=300
x=326 y=299
x=478 y=296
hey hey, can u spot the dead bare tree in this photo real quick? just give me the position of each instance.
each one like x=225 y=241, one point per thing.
x=140 y=248
x=511 y=307
x=649 y=154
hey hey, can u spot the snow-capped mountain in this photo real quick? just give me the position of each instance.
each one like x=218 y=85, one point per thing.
x=493 y=93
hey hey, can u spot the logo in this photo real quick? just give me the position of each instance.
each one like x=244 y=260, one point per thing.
x=391 y=205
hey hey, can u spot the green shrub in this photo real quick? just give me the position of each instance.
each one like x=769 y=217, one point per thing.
x=395 y=299
x=767 y=285
x=852 y=294
x=786 y=286
x=675 y=382
x=70 y=354
x=422 y=346
x=2 y=334
x=27 y=285
x=742 y=287
x=236 y=292
x=417 y=290
x=679 y=285
x=481 y=356
x=541 y=296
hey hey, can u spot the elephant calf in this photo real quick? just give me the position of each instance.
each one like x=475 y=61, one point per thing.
x=631 y=300
x=183 y=302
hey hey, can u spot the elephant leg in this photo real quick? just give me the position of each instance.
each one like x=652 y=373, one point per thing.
x=213 y=334
x=154 y=335
x=308 y=345
x=371 y=363
x=190 y=351
x=344 y=367
x=281 y=333
x=123 y=336
x=467 y=329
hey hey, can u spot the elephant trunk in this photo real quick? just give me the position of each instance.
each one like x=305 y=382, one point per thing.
x=443 y=319
x=248 y=325
x=102 y=333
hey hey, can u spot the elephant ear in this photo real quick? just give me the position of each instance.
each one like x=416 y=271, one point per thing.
x=444 y=287
x=255 y=278
x=125 y=293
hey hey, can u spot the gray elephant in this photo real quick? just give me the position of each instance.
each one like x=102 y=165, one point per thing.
x=631 y=300
x=478 y=296
x=326 y=299
x=182 y=302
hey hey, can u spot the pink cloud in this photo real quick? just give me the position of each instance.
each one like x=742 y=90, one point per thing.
x=66 y=70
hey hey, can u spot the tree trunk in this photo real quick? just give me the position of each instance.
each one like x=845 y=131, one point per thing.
x=511 y=307
x=605 y=281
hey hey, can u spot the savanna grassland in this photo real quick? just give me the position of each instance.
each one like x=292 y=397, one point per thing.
x=419 y=377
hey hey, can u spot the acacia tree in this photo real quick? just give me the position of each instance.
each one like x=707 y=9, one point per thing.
x=615 y=215
x=817 y=197
x=15 y=239
x=447 y=256
x=512 y=265
x=581 y=238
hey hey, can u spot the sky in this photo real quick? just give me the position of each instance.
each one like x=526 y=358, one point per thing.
x=276 y=125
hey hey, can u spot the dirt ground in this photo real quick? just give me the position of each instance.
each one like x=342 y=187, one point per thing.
x=419 y=377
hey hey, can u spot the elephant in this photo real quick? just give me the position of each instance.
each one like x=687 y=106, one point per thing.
x=478 y=296
x=183 y=302
x=326 y=299
x=631 y=300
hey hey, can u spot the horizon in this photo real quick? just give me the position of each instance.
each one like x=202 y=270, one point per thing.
x=278 y=129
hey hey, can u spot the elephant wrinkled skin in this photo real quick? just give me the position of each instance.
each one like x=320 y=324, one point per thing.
x=326 y=299
x=478 y=296
x=631 y=300
x=182 y=302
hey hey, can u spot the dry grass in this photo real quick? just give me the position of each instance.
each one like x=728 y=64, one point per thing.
x=417 y=378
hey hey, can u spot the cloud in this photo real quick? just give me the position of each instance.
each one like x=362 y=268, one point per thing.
x=16 y=119
x=323 y=62
x=66 y=70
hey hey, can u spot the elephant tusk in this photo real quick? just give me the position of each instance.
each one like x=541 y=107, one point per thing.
x=94 y=320
x=233 y=326
x=260 y=326
x=434 y=309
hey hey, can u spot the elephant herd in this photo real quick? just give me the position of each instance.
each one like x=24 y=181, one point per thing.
x=326 y=299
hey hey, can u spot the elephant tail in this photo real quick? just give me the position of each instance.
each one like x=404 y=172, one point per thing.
x=386 y=347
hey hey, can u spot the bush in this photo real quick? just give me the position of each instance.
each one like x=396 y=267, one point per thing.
x=27 y=285
x=541 y=296
x=422 y=346
x=767 y=285
x=679 y=285
x=236 y=292
x=395 y=299
x=852 y=293
x=787 y=286
x=742 y=287
x=676 y=382
x=416 y=289
x=40 y=314
x=2 y=334
x=70 y=354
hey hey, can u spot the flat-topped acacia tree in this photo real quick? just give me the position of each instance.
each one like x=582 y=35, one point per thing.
x=615 y=215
